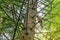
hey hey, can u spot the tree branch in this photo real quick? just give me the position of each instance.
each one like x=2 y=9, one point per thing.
x=5 y=36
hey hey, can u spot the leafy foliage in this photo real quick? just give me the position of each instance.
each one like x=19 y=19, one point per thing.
x=10 y=11
x=52 y=20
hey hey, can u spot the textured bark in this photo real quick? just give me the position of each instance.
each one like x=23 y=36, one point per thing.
x=29 y=26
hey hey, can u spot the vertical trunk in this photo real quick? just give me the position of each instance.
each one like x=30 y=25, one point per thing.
x=29 y=26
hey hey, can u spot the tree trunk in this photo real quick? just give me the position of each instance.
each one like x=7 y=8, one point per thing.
x=29 y=26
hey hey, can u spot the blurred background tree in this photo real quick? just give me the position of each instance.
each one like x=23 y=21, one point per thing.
x=19 y=20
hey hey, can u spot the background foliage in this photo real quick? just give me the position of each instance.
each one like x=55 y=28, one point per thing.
x=11 y=11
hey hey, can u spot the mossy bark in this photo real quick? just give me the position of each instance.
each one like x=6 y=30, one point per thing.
x=29 y=26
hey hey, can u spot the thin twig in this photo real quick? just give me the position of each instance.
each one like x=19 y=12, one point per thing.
x=17 y=22
x=5 y=36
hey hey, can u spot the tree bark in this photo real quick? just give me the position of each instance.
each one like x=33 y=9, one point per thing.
x=29 y=26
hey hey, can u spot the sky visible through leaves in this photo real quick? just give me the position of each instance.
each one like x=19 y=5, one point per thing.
x=48 y=10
